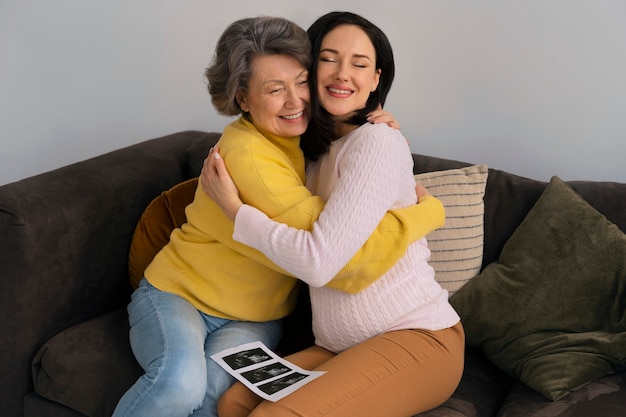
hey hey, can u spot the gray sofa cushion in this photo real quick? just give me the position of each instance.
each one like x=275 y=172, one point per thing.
x=88 y=367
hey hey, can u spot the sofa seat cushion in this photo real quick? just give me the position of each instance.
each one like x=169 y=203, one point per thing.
x=603 y=397
x=88 y=367
x=37 y=406
x=480 y=393
x=550 y=312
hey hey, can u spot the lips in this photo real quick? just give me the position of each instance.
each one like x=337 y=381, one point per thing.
x=293 y=116
x=339 y=91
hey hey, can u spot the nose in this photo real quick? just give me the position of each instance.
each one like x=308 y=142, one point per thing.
x=293 y=98
x=342 y=72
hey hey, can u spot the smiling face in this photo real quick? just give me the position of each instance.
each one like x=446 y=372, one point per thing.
x=346 y=72
x=277 y=97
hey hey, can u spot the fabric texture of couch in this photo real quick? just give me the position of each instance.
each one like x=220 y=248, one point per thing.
x=65 y=282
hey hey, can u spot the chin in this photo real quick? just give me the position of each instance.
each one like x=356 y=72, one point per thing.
x=294 y=132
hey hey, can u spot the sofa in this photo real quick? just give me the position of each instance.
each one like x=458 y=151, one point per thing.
x=64 y=286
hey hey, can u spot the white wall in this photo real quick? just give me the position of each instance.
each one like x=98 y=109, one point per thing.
x=534 y=87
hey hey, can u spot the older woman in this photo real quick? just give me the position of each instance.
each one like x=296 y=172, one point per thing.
x=204 y=292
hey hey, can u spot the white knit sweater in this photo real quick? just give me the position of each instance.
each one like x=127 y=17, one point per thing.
x=365 y=173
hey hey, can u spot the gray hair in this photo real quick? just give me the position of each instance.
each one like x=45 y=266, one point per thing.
x=231 y=67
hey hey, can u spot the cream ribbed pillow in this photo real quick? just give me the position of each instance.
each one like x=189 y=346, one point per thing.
x=457 y=247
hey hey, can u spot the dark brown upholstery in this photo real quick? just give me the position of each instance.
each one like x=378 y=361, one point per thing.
x=64 y=284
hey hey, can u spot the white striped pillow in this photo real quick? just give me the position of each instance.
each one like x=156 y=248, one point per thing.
x=457 y=247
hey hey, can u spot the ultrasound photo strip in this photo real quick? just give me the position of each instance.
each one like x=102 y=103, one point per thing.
x=263 y=371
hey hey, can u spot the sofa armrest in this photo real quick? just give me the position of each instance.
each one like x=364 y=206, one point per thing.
x=64 y=246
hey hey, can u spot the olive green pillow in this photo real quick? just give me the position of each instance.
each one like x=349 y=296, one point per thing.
x=551 y=311
x=165 y=213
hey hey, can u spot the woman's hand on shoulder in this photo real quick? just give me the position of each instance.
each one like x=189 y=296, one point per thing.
x=421 y=191
x=381 y=116
x=219 y=185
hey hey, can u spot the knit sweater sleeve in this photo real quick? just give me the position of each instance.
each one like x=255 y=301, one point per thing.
x=365 y=191
x=270 y=177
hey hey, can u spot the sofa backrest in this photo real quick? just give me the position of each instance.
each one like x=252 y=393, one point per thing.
x=509 y=198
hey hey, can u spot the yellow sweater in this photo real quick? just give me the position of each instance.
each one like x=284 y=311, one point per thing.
x=221 y=277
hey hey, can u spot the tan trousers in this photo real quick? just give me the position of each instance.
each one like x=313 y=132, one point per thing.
x=396 y=374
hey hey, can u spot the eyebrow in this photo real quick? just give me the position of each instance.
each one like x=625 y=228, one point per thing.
x=334 y=51
x=273 y=82
x=303 y=72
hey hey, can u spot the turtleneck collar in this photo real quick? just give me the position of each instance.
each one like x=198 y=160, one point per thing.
x=289 y=145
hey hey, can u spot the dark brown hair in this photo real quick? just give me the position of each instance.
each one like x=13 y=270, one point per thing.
x=321 y=131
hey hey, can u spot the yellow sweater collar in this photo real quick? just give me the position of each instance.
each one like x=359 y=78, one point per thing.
x=290 y=146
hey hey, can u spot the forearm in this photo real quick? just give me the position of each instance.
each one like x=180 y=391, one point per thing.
x=349 y=239
x=418 y=220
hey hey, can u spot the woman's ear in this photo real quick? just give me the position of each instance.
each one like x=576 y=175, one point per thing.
x=376 y=80
x=241 y=101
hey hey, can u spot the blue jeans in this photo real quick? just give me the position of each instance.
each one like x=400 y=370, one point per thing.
x=173 y=342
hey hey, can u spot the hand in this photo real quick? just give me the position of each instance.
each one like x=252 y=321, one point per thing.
x=421 y=191
x=381 y=116
x=218 y=184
